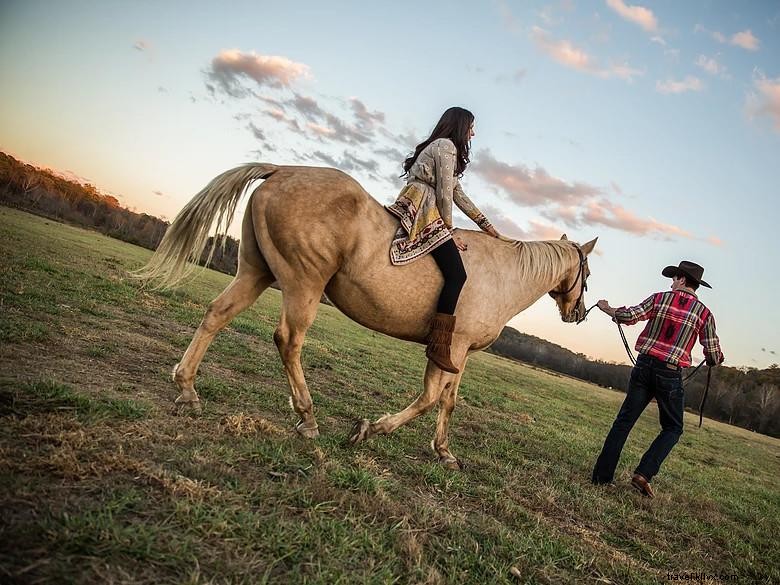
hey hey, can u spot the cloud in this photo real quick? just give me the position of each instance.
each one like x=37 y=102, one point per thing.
x=640 y=15
x=348 y=162
x=257 y=131
x=572 y=204
x=668 y=51
x=366 y=118
x=710 y=65
x=765 y=100
x=231 y=67
x=565 y=53
x=326 y=125
x=352 y=162
x=506 y=226
x=744 y=39
x=529 y=188
x=320 y=130
x=604 y=212
x=307 y=107
x=280 y=116
x=509 y=20
x=517 y=77
x=690 y=83
x=392 y=154
x=561 y=51
x=326 y=158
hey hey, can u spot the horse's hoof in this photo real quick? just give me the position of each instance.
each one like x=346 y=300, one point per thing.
x=359 y=432
x=450 y=462
x=307 y=431
x=187 y=406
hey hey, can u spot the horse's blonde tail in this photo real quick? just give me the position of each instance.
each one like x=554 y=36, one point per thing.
x=185 y=239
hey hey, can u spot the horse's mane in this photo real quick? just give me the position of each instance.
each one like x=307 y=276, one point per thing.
x=543 y=260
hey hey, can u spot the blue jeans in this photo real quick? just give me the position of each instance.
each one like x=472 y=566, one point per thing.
x=650 y=378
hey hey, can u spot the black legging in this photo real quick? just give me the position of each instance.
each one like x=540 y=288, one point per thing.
x=447 y=257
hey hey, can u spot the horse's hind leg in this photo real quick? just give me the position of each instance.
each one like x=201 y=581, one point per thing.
x=299 y=308
x=249 y=283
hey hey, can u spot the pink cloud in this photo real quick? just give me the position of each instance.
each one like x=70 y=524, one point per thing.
x=571 y=204
x=565 y=53
x=609 y=214
x=690 y=83
x=561 y=51
x=530 y=187
x=506 y=226
x=766 y=102
x=321 y=130
x=745 y=39
x=508 y=17
x=709 y=64
x=231 y=66
x=280 y=116
x=640 y=15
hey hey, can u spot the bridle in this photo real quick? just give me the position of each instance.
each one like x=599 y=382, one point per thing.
x=583 y=280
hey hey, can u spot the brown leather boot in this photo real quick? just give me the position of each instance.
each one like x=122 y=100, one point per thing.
x=440 y=342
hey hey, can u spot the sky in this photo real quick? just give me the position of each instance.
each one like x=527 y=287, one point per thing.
x=654 y=126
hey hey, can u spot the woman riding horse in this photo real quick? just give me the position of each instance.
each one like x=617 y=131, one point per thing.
x=424 y=207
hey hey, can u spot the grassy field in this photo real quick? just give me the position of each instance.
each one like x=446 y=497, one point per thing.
x=101 y=483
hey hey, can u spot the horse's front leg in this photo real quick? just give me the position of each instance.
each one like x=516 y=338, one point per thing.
x=436 y=382
x=440 y=443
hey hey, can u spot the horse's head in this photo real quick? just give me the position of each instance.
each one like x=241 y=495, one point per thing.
x=569 y=294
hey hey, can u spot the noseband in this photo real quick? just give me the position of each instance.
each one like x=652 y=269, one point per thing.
x=584 y=286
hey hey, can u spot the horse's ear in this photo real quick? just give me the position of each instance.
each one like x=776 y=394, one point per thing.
x=563 y=237
x=588 y=248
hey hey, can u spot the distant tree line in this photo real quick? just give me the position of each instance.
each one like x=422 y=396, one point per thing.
x=46 y=193
x=745 y=397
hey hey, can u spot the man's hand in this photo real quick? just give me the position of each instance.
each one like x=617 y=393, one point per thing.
x=460 y=243
x=604 y=306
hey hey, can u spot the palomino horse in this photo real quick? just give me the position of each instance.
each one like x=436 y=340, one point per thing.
x=316 y=230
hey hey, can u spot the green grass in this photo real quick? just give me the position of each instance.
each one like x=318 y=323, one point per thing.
x=47 y=396
x=100 y=482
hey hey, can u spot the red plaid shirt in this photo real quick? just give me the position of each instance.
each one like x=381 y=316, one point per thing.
x=677 y=318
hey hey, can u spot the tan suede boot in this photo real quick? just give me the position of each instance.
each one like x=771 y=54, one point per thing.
x=440 y=342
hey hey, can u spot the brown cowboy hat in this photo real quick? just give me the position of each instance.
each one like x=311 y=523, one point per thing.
x=688 y=269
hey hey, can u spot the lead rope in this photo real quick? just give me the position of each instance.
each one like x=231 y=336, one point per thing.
x=703 y=398
x=584 y=316
x=625 y=344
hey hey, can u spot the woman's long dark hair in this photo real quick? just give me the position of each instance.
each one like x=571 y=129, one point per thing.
x=453 y=124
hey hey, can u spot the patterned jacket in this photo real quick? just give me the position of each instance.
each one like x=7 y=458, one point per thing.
x=424 y=205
